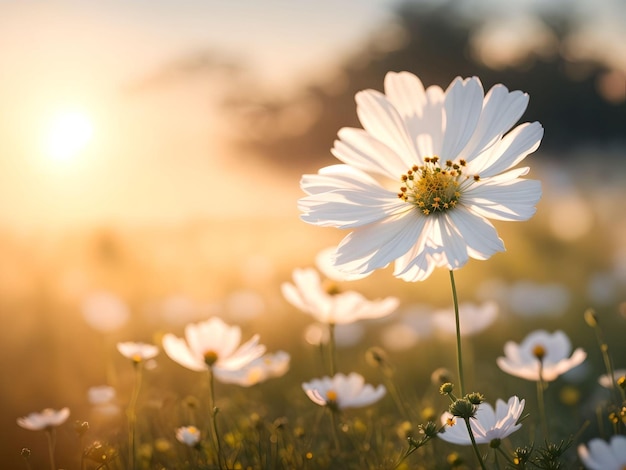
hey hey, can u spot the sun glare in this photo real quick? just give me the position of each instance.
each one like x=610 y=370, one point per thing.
x=68 y=133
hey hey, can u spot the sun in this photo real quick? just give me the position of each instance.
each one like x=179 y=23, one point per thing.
x=67 y=134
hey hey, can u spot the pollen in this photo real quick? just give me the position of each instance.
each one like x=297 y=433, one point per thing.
x=331 y=396
x=450 y=422
x=435 y=186
x=210 y=357
x=539 y=352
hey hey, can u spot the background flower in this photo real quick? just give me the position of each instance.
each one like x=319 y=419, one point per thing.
x=47 y=418
x=343 y=391
x=600 y=455
x=453 y=169
x=309 y=295
x=487 y=424
x=213 y=344
x=522 y=360
x=137 y=352
x=188 y=435
x=266 y=367
x=474 y=318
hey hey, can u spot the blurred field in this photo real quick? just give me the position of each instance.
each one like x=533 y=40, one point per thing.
x=234 y=267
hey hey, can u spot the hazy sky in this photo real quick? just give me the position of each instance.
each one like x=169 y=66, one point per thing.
x=154 y=156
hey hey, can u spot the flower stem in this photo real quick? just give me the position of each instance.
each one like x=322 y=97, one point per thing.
x=333 y=420
x=331 y=348
x=541 y=402
x=131 y=413
x=214 y=410
x=474 y=445
x=459 y=355
x=50 y=433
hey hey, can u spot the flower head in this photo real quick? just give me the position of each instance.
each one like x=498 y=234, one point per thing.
x=261 y=369
x=486 y=424
x=328 y=306
x=212 y=344
x=606 y=381
x=48 y=418
x=419 y=182
x=188 y=435
x=600 y=455
x=541 y=352
x=137 y=352
x=343 y=391
x=474 y=318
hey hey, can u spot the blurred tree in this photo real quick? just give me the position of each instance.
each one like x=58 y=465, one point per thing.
x=435 y=43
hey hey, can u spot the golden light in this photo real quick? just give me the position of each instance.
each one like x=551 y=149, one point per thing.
x=68 y=133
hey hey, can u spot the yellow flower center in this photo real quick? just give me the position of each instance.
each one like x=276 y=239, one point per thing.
x=210 y=357
x=434 y=188
x=539 y=352
x=331 y=396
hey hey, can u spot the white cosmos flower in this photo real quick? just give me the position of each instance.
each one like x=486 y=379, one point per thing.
x=46 y=419
x=137 y=352
x=188 y=435
x=600 y=455
x=543 y=351
x=213 y=344
x=422 y=177
x=309 y=295
x=488 y=424
x=605 y=379
x=473 y=318
x=269 y=366
x=343 y=391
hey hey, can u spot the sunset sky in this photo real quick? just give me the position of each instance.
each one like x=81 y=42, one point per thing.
x=94 y=128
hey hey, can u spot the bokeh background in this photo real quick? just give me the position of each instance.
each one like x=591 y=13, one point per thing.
x=151 y=151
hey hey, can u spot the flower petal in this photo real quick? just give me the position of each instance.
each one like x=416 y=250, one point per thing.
x=463 y=105
x=513 y=200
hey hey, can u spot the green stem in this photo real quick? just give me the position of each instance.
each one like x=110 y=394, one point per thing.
x=333 y=420
x=214 y=410
x=541 y=402
x=331 y=348
x=474 y=445
x=459 y=355
x=50 y=433
x=132 y=416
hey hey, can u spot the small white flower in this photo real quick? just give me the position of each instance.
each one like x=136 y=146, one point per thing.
x=419 y=182
x=540 y=351
x=48 y=418
x=606 y=381
x=309 y=295
x=101 y=394
x=343 y=391
x=261 y=369
x=600 y=455
x=188 y=435
x=212 y=344
x=473 y=318
x=105 y=312
x=137 y=352
x=486 y=425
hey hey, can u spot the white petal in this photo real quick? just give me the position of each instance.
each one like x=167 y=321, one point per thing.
x=478 y=235
x=406 y=92
x=375 y=246
x=358 y=148
x=463 y=105
x=383 y=122
x=513 y=200
x=177 y=350
x=500 y=112
x=508 y=152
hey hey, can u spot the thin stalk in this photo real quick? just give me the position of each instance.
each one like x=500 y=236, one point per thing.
x=474 y=445
x=216 y=435
x=131 y=413
x=333 y=420
x=331 y=348
x=459 y=354
x=50 y=433
x=541 y=402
